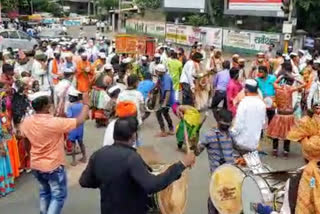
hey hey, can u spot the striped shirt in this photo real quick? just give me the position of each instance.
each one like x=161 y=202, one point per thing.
x=219 y=147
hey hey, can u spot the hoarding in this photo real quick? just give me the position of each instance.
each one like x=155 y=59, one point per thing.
x=254 y=7
x=185 y=5
x=264 y=5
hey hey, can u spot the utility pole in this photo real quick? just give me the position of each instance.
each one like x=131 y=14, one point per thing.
x=119 y=17
x=31 y=7
x=289 y=35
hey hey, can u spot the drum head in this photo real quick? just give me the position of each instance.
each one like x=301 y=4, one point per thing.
x=252 y=193
x=173 y=199
x=225 y=189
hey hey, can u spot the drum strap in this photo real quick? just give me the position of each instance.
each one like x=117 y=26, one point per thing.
x=222 y=160
x=293 y=191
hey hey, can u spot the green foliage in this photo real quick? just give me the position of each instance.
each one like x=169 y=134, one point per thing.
x=307 y=4
x=108 y=4
x=197 y=20
x=150 y=4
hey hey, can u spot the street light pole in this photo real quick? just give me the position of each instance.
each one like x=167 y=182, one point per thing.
x=119 y=17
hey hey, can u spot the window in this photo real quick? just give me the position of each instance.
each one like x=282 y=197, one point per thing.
x=4 y=35
x=23 y=35
x=13 y=35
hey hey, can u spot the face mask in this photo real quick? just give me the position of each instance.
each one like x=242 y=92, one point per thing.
x=260 y=60
x=261 y=75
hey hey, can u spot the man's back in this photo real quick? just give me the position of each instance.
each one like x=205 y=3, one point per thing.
x=46 y=135
x=249 y=122
x=124 y=179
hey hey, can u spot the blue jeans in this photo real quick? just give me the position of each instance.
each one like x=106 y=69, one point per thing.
x=53 y=190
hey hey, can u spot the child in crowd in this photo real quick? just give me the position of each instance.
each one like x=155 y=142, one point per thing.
x=218 y=143
x=76 y=135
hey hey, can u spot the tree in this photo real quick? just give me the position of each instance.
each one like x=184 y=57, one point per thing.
x=108 y=4
x=197 y=20
x=308 y=12
x=150 y=4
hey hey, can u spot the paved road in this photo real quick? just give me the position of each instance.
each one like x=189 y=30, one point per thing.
x=83 y=201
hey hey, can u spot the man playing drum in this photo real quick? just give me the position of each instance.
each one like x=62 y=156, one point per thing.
x=124 y=179
x=218 y=143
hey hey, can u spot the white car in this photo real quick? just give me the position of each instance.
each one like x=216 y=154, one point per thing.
x=16 y=39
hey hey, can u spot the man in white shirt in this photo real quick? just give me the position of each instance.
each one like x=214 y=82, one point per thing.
x=39 y=71
x=314 y=93
x=132 y=94
x=187 y=78
x=250 y=118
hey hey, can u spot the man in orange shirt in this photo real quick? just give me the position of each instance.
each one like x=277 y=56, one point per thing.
x=84 y=74
x=46 y=136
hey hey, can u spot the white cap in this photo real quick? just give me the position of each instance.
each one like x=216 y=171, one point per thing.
x=144 y=58
x=102 y=55
x=157 y=55
x=74 y=92
x=172 y=49
x=68 y=54
x=260 y=54
x=293 y=54
x=308 y=57
x=302 y=51
x=199 y=43
x=56 y=51
x=251 y=82
x=39 y=94
x=84 y=54
x=68 y=71
x=113 y=88
x=161 y=68
x=107 y=66
x=127 y=60
x=316 y=61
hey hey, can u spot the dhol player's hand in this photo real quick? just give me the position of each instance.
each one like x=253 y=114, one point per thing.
x=189 y=160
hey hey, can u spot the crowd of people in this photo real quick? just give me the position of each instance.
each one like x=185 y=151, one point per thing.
x=47 y=94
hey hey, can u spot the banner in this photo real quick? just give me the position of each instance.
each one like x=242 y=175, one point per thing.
x=260 y=5
x=247 y=41
x=212 y=36
x=150 y=28
x=185 y=5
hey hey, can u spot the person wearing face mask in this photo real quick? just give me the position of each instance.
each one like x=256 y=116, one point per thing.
x=266 y=86
x=84 y=73
x=249 y=119
x=260 y=61
x=55 y=68
x=218 y=143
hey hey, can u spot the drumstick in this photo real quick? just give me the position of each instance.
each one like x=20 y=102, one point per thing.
x=186 y=137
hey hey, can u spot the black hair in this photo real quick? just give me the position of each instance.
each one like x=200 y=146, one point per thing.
x=81 y=50
x=115 y=60
x=124 y=128
x=148 y=76
x=287 y=66
x=7 y=68
x=73 y=99
x=174 y=55
x=39 y=103
x=115 y=93
x=278 y=53
x=226 y=64
x=263 y=69
x=223 y=115
x=132 y=80
x=234 y=73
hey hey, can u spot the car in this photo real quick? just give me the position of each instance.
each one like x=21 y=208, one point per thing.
x=53 y=34
x=16 y=39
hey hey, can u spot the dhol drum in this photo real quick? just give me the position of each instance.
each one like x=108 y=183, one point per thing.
x=171 y=200
x=269 y=101
x=225 y=189
x=261 y=189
